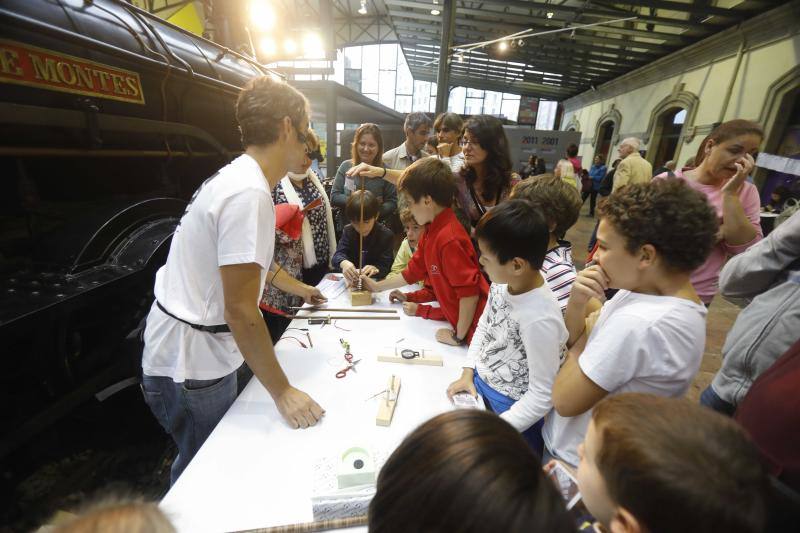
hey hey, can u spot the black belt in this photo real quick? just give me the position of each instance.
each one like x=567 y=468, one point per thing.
x=221 y=328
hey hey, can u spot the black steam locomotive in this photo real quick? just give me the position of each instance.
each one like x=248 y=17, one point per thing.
x=109 y=119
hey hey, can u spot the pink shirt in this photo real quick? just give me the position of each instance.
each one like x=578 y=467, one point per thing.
x=706 y=278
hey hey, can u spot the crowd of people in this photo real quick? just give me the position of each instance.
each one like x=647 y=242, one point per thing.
x=581 y=370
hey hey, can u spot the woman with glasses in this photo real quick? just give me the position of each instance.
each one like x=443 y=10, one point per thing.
x=486 y=178
x=367 y=149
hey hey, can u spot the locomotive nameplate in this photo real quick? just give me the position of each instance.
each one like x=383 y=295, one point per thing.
x=23 y=64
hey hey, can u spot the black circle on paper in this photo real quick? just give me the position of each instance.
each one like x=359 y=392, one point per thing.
x=358 y=464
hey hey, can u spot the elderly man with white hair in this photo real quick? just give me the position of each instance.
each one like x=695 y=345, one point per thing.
x=633 y=168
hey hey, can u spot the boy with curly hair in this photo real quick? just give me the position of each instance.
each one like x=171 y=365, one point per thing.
x=650 y=336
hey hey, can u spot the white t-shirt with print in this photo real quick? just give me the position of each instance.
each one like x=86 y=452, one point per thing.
x=517 y=349
x=230 y=220
x=640 y=343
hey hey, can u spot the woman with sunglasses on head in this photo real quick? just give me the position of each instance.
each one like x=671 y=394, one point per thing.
x=486 y=179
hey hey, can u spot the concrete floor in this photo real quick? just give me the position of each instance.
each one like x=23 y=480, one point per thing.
x=721 y=314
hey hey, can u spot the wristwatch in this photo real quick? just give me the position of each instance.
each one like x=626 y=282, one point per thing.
x=459 y=342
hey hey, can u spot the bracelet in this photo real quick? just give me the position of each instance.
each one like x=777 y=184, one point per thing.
x=459 y=341
x=384 y=172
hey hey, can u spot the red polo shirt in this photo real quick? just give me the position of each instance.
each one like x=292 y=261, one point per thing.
x=447 y=256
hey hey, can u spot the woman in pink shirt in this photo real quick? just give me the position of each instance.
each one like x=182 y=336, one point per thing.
x=721 y=173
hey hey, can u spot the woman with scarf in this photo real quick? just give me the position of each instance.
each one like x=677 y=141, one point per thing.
x=304 y=236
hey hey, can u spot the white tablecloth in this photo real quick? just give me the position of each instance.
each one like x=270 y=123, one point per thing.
x=254 y=471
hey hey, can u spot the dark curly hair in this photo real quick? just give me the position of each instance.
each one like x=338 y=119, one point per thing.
x=490 y=135
x=667 y=214
x=262 y=105
x=559 y=201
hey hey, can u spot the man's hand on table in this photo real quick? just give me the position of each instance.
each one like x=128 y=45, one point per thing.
x=370 y=271
x=397 y=296
x=463 y=384
x=298 y=408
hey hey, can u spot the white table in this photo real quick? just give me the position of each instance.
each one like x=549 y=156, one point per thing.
x=254 y=471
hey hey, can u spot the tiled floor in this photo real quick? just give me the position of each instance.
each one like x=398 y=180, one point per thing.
x=721 y=315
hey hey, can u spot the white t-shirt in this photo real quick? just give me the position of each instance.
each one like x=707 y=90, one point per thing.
x=640 y=343
x=517 y=349
x=230 y=220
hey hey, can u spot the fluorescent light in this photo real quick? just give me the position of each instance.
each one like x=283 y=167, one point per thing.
x=262 y=15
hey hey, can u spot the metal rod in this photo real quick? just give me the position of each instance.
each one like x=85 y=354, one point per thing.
x=345 y=310
x=321 y=525
x=307 y=317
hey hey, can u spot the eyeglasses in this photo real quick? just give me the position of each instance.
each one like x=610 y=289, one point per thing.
x=463 y=143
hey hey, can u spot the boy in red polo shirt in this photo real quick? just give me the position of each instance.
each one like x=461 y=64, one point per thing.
x=445 y=253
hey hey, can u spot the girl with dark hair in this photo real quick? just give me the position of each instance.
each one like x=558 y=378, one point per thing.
x=468 y=471
x=487 y=177
x=367 y=148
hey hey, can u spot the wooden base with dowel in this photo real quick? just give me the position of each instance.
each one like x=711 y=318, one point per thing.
x=388 y=402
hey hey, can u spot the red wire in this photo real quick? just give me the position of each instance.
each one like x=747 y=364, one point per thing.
x=293 y=338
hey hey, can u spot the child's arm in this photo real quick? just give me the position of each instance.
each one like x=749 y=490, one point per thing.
x=590 y=283
x=573 y=392
x=461 y=270
x=466 y=313
x=542 y=342
x=464 y=383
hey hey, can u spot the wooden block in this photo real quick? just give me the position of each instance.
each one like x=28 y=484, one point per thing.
x=425 y=358
x=388 y=402
x=360 y=298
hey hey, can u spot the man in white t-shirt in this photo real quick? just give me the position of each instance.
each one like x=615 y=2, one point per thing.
x=650 y=336
x=205 y=321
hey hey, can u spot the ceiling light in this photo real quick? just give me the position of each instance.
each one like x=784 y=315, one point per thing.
x=549 y=14
x=503 y=46
x=363 y=9
x=262 y=15
x=290 y=46
x=312 y=46
x=268 y=46
x=435 y=12
x=460 y=58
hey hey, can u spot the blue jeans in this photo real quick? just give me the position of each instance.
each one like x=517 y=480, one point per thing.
x=711 y=399
x=188 y=411
x=500 y=403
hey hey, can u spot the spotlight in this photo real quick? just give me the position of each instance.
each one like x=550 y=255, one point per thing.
x=268 y=46
x=502 y=46
x=312 y=46
x=520 y=43
x=435 y=12
x=550 y=14
x=262 y=15
x=363 y=9
x=290 y=46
